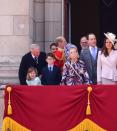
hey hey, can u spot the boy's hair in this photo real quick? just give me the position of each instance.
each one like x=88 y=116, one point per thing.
x=31 y=69
x=53 y=44
x=50 y=55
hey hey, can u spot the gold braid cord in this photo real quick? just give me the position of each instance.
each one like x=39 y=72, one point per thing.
x=9 y=111
x=88 y=109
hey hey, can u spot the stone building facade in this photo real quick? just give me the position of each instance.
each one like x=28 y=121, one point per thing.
x=23 y=22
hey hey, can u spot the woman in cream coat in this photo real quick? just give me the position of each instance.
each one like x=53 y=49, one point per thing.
x=107 y=62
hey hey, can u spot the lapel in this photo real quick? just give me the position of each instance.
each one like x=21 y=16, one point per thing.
x=47 y=70
x=89 y=55
x=54 y=68
x=90 y=58
x=32 y=59
x=98 y=49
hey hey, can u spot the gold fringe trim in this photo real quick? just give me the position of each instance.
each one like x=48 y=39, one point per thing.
x=88 y=109
x=87 y=125
x=11 y=125
x=9 y=111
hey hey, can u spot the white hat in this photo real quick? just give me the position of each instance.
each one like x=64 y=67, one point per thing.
x=111 y=37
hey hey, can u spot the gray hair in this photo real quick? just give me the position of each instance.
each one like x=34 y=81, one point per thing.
x=34 y=46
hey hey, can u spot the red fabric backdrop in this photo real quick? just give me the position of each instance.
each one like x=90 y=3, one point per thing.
x=59 y=108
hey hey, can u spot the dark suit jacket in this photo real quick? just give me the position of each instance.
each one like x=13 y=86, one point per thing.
x=51 y=77
x=91 y=64
x=28 y=61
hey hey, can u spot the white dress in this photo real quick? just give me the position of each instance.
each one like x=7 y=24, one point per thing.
x=35 y=81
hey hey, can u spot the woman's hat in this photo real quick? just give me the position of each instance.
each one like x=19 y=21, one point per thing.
x=111 y=37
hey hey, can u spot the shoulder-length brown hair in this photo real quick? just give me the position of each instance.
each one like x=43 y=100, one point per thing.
x=31 y=69
x=105 y=50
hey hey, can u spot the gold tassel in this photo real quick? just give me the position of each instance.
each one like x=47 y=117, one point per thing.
x=88 y=110
x=9 y=111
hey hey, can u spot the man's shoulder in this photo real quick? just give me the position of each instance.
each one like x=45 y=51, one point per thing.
x=56 y=67
x=27 y=55
x=44 y=68
x=85 y=51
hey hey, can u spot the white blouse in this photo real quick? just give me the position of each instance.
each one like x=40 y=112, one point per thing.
x=106 y=66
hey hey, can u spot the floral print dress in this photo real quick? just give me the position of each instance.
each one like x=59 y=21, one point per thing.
x=74 y=73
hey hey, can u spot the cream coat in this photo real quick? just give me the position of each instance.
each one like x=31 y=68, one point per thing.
x=107 y=66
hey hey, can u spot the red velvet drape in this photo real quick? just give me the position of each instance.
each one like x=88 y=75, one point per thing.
x=60 y=108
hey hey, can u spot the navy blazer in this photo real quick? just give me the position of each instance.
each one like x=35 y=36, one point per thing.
x=28 y=61
x=51 y=77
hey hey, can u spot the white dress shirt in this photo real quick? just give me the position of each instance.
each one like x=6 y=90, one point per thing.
x=50 y=67
x=106 y=66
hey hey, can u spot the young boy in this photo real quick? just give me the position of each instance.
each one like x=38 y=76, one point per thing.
x=51 y=74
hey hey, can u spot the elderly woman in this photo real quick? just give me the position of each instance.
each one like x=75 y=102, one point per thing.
x=107 y=61
x=74 y=71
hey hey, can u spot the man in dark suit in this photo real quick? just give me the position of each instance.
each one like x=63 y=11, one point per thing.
x=89 y=56
x=34 y=58
x=51 y=74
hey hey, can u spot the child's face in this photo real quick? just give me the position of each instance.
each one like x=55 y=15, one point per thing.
x=53 y=48
x=32 y=74
x=50 y=60
x=73 y=54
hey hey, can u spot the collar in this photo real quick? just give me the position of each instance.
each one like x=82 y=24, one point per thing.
x=32 y=56
x=50 y=66
x=90 y=48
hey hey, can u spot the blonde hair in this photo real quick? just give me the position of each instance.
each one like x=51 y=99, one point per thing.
x=31 y=69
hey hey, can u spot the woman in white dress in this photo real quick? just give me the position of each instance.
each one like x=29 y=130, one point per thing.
x=107 y=61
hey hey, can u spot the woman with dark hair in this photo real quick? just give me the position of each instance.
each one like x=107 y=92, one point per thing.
x=107 y=61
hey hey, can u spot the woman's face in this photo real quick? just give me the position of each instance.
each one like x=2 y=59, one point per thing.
x=73 y=53
x=108 y=44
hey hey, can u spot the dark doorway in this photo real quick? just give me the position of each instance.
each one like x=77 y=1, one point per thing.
x=108 y=17
x=90 y=16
